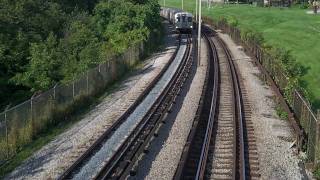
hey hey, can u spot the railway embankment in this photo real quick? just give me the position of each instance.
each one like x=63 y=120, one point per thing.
x=53 y=159
x=277 y=159
x=290 y=101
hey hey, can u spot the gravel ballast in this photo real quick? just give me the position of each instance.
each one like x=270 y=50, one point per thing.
x=112 y=144
x=54 y=158
x=165 y=151
x=274 y=136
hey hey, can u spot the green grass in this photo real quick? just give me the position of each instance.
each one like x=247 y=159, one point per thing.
x=291 y=29
x=281 y=112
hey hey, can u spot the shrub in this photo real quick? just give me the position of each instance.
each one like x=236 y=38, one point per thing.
x=304 y=6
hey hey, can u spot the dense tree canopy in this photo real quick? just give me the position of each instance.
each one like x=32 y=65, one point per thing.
x=43 y=42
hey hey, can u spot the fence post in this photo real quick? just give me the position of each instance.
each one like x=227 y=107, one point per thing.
x=7 y=136
x=54 y=103
x=54 y=91
x=130 y=56
x=73 y=88
x=317 y=143
x=293 y=95
x=87 y=83
x=31 y=114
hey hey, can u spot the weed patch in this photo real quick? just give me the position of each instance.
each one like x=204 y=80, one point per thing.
x=281 y=112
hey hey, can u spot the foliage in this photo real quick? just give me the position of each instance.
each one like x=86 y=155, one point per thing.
x=233 y=21
x=304 y=6
x=34 y=58
x=45 y=42
x=44 y=64
x=316 y=172
x=288 y=63
x=252 y=36
x=281 y=112
x=292 y=70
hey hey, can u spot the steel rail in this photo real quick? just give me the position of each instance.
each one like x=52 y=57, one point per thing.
x=120 y=164
x=240 y=162
x=208 y=134
x=204 y=119
x=97 y=144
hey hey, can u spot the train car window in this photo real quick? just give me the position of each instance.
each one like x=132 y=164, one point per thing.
x=183 y=19
x=178 y=18
x=189 y=19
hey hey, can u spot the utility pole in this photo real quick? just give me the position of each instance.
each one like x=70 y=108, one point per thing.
x=196 y=10
x=199 y=34
x=182 y=5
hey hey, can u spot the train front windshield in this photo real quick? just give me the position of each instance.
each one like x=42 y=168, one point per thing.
x=183 y=19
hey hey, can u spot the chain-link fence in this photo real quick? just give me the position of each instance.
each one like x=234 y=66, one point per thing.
x=299 y=105
x=309 y=123
x=19 y=124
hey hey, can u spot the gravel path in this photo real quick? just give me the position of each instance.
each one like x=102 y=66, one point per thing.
x=165 y=150
x=274 y=136
x=50 y=161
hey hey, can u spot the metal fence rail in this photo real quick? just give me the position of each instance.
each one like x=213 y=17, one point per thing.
x=299 y=105
x=19 y=124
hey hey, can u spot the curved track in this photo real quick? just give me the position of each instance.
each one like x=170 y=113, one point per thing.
x=120 y=163
x=216 y=146
x=226 y=156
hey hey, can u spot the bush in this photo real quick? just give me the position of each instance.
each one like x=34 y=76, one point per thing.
x=304 y=6
x=233 y=21
x=281 y=112
x=316 y=172
x=292 y=70
x=251 y=36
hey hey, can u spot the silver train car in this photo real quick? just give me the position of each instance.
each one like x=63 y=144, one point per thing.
x=182 y=21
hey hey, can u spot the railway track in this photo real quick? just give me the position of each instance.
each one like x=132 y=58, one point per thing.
x=220 y=143
x=226 y=155
x=118 y=165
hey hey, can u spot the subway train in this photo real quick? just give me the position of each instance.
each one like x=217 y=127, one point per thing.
x=182 y=21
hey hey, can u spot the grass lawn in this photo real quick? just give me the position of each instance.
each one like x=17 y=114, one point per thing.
x=291 y=29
